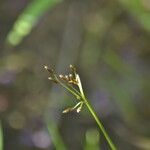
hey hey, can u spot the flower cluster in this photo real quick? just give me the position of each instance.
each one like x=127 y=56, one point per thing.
x=68 y=82
x=71 y=78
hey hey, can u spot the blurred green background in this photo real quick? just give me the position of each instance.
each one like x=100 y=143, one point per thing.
x=109 y=43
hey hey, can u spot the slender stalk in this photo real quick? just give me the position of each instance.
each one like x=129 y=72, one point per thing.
x=86 y=101
x=80 y=86
x=112 y=146
x=90 y=108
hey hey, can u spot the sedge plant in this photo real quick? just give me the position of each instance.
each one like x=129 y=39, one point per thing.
x=72 y=84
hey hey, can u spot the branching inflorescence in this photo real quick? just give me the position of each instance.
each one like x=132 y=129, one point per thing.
x=72 y=83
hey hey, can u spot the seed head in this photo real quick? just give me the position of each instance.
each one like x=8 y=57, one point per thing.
x=70 y=75
x=51 y=71
x=67 y=110
x=78 y=110
x=46 y=67
x=50 y=78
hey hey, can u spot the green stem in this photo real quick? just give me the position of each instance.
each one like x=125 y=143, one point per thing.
x=86 y=101
x=112 y=146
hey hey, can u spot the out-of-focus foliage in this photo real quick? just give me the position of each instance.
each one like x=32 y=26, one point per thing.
x=140 y=9
x=1 y=137
x=107 y=40
x=54 y=133
x=28 y=19
x=92 y=139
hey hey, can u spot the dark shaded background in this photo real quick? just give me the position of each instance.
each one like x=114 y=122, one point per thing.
x=107 y=40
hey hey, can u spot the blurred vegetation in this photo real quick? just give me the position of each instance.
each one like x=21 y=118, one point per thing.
x=108 y=41
x=28 y=19
x=92 y=139
x=1 y=137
